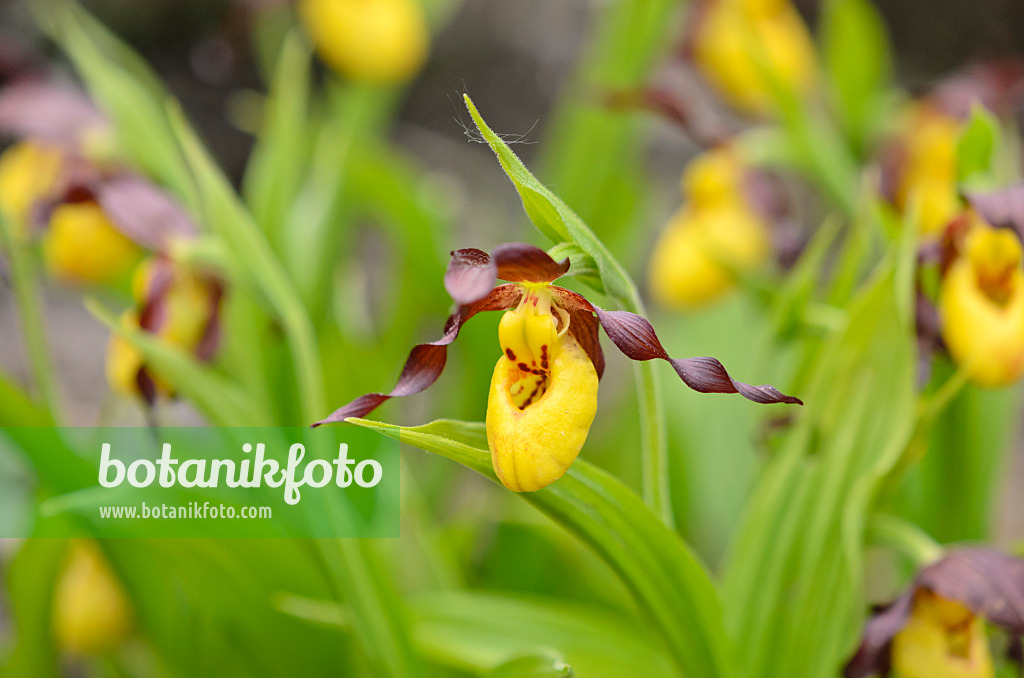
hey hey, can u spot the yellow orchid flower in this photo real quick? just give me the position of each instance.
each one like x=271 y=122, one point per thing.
x=936 y=628
x=717 y=234
x=93 y=220
x=91 y=611
x=178 y=305
x=377 y=41
x=928 y=168
x=981 y=306
x=731 y=35
x=29 y=172
x=543 y=395
x=81 y=246
x=941 y=639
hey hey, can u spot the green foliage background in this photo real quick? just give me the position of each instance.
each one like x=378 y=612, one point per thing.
x=691 y=539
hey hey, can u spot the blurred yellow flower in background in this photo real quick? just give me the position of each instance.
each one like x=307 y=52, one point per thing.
x=928 y=174
x=941 y=639
x=715 y=235
x=82 y=247
x=124 y=362
x=177 y=305
x=29 y=171
x=734 y=35
x=376 y=41
x=981 y=305
x=91 y=610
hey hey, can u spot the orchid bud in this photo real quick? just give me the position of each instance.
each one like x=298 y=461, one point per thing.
x=981 y=304
x=376 y=41
x=928 y=177
x=91 y=610
x=543 y=395
x=734 y=34
x=29 y=171
x=941 y=639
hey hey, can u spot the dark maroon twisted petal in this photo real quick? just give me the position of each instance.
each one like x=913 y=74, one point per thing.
x=143 y=212
x=1003 y=208
x=426 y=361
x=472 y=273
x=988 y=582
x=519 y=262
x=635 y=337
x=46 y=111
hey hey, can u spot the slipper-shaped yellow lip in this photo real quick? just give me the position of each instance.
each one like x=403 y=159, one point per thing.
x=533 y=447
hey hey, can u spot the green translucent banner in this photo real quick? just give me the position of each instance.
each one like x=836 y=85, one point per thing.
x=198 y=482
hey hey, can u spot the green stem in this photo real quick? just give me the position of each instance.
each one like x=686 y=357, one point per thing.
x=23 y=280
x=933 y=405
x=904 y=537
x=654 y=443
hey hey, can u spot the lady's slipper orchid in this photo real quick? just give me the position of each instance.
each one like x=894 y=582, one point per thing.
x=91 y=611
x=543 y=394
x=926 y=172
x=935 y=629
x=93 y=220
x=178 y=305
x=717 y=233
x=981 y=306
x=919 y=166
x=731 y=35
x=378 y=41
x=29 y=172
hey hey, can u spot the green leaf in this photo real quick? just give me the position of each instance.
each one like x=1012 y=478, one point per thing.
x=483 y=631
x=548 y=665
x=976 y=149
x=365 y=584
x=793 y=590
x=670 y=585
x=29 y=582
x=857 y=57
x=24 y=284
x=222 y=622
x=281 y=155
x=952 y=491
x=479 y=632
x=553 y=218
x=17 y=409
